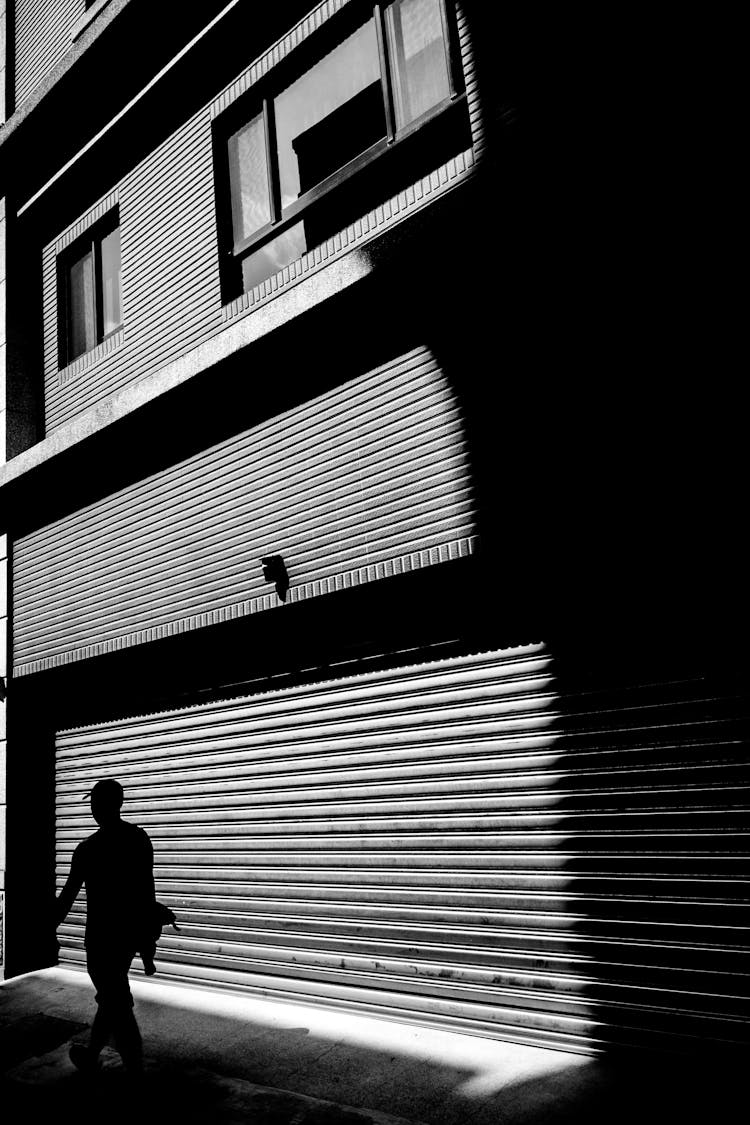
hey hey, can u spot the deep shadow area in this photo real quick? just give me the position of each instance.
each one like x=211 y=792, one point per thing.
x=638 y=1089
x=651 y=802
x=33 y=1034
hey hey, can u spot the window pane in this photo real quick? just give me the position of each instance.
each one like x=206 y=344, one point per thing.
x=248 y=176
x=272 y=257
x=331 y=114
x=111 y=305
x=82 y=306
x=417 y=51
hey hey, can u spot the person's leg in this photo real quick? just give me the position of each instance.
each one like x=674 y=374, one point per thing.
x=101 y=1031
x=125 y=1028
x=128 y=1040
x=86 y=1057
x=108 y=970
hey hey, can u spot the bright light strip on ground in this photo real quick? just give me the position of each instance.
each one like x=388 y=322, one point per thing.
x=489 y=1064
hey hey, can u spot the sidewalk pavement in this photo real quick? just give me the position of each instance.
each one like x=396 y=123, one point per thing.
x=223 y=1057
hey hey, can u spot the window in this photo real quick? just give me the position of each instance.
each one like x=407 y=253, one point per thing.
x=89 y=288
x=363 y=86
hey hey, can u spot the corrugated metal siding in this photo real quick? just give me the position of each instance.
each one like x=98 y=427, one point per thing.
x=490 y=38
x=364 y=475
x=461 y=841
x=42 y=29
x=471 y=86
x=170 y=284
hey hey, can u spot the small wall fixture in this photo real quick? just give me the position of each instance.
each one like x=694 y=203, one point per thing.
x=274 y=570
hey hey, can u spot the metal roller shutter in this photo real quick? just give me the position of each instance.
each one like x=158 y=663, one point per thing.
x=364 y=481
x=459 y=841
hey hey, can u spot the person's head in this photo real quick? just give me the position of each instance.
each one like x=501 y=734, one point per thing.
x=106 y=801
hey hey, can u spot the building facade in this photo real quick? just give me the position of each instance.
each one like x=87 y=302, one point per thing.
x=323 y=536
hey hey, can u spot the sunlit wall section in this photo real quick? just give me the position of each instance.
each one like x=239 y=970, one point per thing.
x=486 y=841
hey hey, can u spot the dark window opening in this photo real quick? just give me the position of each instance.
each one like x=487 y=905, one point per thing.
x=89 y=289
x=368 y=95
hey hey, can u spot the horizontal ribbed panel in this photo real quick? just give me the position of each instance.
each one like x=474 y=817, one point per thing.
x=170 y=282
x=170 y=259
x=366 y=480
x=468 y=65
x=42 y=30
x=462 y=842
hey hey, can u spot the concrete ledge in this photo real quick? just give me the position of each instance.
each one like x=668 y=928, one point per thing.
x=90 y=14
x=339 y=275
x=328 y=278
x=53 y=76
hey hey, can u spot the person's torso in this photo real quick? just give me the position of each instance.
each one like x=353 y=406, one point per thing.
x=116 y=870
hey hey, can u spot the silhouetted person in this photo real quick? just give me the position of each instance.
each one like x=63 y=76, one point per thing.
x=117 y=866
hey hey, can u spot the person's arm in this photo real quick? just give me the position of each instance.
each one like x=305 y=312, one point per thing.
x=73 y=884
x=149 y=889
x=144 y=892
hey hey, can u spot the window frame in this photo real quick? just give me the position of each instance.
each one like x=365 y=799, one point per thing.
x=90 y=241
x=259 y=101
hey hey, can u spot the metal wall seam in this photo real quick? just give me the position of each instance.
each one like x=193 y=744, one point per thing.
x=172 y=300
x=421 y=473
x=392 y=388
x=155 y=283
x=338 y=539
x=336 y=476
x=513 y=750
x=42 y=39
x=305 y=546
x=420 y=478
x=513 y=764
x=423 y=483
x=209 y=507
x=486 y=886
x=320 y=704
x=327 y=583
x=474 y=104
x=66 y=629
x=479 y=668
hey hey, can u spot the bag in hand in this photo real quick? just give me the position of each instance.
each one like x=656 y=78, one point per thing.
x=161 y=916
